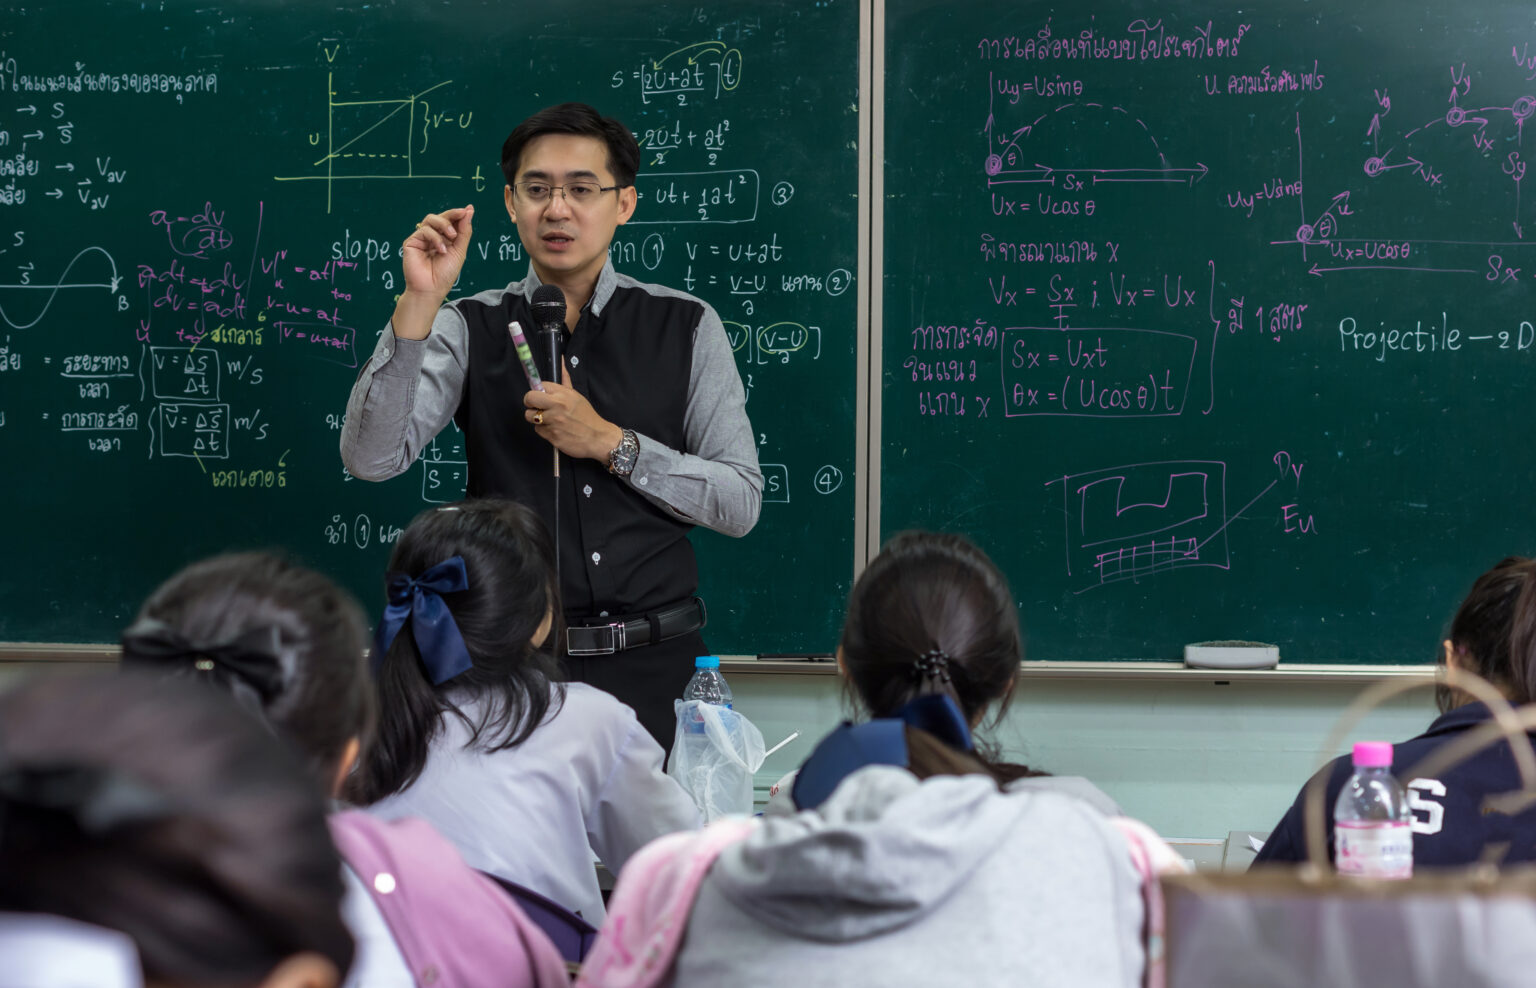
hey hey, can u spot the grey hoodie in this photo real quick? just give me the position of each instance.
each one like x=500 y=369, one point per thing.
x=893 y=881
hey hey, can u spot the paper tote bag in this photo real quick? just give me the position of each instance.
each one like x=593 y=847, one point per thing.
x=1276 y=929
x=1305 y=927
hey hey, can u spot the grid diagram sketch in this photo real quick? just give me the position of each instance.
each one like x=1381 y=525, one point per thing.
x=1141 y=520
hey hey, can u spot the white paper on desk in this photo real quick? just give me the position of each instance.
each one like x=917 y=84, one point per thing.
x=1255 y=844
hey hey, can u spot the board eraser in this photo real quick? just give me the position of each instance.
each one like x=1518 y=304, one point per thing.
x=1231 y=655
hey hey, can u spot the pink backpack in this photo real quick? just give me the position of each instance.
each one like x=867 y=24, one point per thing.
x=455 y=928
x=648 y=912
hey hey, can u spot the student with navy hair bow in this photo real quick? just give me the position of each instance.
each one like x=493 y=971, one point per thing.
x=915 y=855
x=528 y=776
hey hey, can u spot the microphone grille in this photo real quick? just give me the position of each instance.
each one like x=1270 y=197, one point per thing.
x=549 y=303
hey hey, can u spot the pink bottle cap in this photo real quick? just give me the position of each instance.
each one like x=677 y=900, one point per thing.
x=1373 y=754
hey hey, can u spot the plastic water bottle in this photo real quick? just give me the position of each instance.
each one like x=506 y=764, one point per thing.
x=716 y=750
x=1372 y=825
x=707 y=683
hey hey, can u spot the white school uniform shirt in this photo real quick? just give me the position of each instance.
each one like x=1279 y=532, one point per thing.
x=43 y=951
x=377 y=961
x=588 y=781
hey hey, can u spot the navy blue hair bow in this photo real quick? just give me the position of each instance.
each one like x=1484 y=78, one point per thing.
x=420 y=601
x=877 y=742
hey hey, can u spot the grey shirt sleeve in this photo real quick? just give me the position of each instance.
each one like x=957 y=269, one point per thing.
x=716 y=481
x=408 y=390
x=404 y=395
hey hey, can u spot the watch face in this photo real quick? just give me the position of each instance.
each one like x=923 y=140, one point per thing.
x=622 y=460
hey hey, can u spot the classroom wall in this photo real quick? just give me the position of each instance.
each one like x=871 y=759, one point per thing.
x=1193 y=760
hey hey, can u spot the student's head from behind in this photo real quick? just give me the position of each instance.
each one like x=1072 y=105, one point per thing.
x=473 y=601
x=570 y=184
x=1494 y=632
x=164 y=811
x=931 y=613
x=283 y=639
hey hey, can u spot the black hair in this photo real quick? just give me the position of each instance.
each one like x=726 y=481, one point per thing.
x=928 y=756
x=325 y=697
x=220 y=867
x=928 y=593
x=1494 y=632
x=580 y=120
x=512 y=587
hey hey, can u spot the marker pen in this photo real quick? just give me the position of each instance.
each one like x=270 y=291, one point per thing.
x=525 y=355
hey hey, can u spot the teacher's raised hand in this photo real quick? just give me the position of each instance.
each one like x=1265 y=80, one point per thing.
x=433 y=256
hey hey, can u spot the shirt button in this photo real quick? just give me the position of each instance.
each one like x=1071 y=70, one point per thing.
x=575 y=361
x=587 y=490
x=597 y=557
x=384 y=883
x=643 y=481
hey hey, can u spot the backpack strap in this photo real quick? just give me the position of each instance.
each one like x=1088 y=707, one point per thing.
x=648 y=911
x=1151 y=856
x=453 y=925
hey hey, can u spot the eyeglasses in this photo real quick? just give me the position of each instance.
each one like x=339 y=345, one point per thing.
x=579 y=193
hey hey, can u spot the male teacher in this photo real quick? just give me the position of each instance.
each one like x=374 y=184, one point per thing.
x=649 y=414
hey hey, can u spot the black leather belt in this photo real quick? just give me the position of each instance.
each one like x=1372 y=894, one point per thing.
x=671 y=621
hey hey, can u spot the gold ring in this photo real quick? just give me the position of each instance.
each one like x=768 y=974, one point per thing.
x=538 y=418
x=418 y=226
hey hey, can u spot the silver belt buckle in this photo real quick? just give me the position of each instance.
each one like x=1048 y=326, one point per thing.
x=616 y=639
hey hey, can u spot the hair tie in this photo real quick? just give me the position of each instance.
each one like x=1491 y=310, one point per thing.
x=932 y=664
x=98 y=799
x=253 y=656
x=420 y=601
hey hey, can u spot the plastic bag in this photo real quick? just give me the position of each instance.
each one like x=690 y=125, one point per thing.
x=715 y=753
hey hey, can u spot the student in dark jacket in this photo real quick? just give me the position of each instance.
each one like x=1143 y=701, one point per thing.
x=1493 y=635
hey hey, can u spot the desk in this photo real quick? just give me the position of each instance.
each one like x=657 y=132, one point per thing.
x=1205 y=853
x=1232 y=853
x=1238 y=851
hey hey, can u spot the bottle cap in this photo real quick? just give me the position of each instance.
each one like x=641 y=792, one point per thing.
x=707 y=662
x=1373 y=754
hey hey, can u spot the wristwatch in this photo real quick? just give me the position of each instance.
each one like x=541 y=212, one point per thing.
x=621 y=460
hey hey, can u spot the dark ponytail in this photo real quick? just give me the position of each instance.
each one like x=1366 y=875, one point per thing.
x=932 y=614
x=509 y=562
x=1494 y=632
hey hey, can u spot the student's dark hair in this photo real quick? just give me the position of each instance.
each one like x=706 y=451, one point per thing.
x=1494 y=632
x=323 y=696
x=165 y=811
x=928 y=593
x=512 y=585
x=580 y=120
x=928 y=756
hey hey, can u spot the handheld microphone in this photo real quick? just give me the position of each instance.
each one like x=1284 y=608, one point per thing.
x=548 y=305
x=549 y=313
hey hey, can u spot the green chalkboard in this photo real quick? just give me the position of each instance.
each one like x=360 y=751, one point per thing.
x=201 y=207
x=1213 y=322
